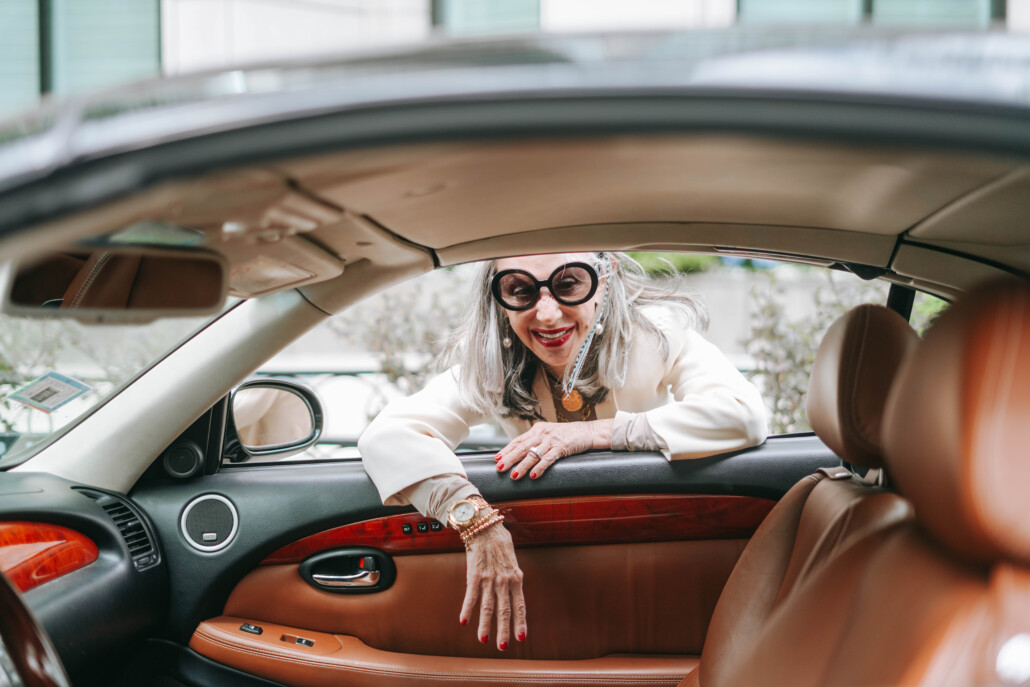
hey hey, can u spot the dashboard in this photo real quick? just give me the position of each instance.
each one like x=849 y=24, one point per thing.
x=88 y=565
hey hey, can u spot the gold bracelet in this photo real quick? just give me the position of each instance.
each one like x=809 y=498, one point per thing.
x=486 y=523
x=467 y=537
x=489 y=518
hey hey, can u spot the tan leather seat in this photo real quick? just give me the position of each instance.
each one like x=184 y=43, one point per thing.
x=824 y=514
x=943 y=599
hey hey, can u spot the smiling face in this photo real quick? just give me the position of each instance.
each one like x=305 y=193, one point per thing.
x=553 y=331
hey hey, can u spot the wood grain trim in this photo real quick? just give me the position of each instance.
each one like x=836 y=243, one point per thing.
x=557 y=522
x=32 y=553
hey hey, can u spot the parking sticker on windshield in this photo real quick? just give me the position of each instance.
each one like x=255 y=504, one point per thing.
x=49 y=392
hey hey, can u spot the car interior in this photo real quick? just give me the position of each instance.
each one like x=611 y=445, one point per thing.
x=888 y=547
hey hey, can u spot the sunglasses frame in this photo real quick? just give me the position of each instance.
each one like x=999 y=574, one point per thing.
x=495 y=285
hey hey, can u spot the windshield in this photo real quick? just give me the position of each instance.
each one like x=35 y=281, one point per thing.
x=53 y=373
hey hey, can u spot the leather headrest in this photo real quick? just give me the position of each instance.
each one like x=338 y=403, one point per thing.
x=958 y=425
x=857 y=361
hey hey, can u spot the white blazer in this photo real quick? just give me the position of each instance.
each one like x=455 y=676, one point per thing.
x=695 y=401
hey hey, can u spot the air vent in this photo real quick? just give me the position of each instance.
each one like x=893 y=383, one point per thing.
x=131 y=528
x=134 y=533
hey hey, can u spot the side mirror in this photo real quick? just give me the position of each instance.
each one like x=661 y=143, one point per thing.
x=271 y=417
x=117 y=284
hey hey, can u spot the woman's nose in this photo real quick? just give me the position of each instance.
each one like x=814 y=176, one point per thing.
x=547 y=309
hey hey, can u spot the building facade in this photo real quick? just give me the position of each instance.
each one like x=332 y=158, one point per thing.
x=68 y=46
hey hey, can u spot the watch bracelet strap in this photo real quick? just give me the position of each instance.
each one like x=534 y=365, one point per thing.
x=481 y=526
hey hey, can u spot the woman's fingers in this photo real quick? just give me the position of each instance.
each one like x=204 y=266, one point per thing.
x=502 y=594
x=549 y=458
x=486 y=611
x=526 y=466
x=518 y=602
x=512 y=453
x=471 y=597
x=494 y=585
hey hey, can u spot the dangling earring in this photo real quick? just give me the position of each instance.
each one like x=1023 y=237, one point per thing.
x=506 y=341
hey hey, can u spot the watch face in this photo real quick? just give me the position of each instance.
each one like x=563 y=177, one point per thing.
x=463 y=512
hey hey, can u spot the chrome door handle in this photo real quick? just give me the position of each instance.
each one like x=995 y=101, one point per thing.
x=349 y=570
x=362 y=578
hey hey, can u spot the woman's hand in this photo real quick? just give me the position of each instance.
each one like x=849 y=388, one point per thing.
x=538 y=449
x=494 y=581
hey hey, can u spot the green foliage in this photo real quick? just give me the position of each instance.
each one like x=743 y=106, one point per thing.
x=783 y=347
x=682 y=263
x=925 y=311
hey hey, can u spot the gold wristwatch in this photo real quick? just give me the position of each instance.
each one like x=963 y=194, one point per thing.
x=462 y=513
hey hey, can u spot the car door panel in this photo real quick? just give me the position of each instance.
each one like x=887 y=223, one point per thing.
x=623 y=554
x=346 y=660
x=583 y=601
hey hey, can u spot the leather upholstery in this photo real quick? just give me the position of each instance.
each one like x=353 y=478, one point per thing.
x=111 y=280
x=944 y=598
x=819 y=518
x=343 y=660
x=813 y=524
x=857 y=361
x=959 y=425
x=47 y=280
x=584 y=602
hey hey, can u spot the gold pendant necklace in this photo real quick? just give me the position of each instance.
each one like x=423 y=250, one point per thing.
x=572 y=401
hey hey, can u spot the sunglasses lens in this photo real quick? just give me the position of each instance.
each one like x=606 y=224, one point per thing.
x=572 y=285
x=517 y=290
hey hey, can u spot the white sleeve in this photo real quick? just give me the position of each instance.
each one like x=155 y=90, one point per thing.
x=414 y=438
x=631 y=432
x=715 y=410
x=433 y=496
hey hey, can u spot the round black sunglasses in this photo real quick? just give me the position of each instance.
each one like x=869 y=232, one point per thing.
x=571 y=284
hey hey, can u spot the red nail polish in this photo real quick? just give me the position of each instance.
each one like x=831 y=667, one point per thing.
x=532 y=475
x=464 y=622
x=504 y=645
x=522 y=636
x=484 y=638
x=514 y=475
x=500 y=467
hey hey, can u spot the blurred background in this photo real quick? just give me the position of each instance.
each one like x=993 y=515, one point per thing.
x=768 y=318
x=62 y=47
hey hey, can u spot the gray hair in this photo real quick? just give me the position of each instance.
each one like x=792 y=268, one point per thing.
x=495 y=380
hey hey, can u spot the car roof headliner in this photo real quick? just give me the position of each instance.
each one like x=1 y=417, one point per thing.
x=551 y=144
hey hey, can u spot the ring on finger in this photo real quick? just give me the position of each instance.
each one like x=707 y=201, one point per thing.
x=535 y=451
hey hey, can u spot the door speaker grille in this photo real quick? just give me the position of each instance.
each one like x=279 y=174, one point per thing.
x=209 y=522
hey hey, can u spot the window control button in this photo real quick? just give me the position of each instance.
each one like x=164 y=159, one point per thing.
x=423 y=527
x=406 y=528
x=435 y=526
x=305 y=642
x=252 y=629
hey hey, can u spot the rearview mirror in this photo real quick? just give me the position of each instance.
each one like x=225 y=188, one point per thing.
x=117 y=285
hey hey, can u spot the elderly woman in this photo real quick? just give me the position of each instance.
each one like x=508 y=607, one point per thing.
x=570 y=353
